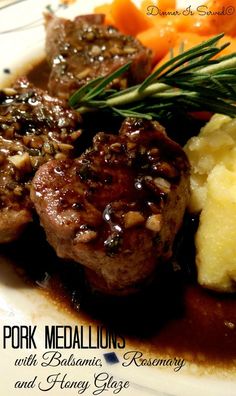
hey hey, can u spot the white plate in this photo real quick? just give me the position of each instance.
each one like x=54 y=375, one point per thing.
x=21 y=43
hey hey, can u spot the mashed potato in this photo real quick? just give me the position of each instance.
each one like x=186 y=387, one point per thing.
x=212 y=155
x=216 y=144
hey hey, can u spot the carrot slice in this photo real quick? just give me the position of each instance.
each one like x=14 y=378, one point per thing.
x=201 y=115
x=159 y=39
x=183 y=41
x=165 y=5
x=222 y=18
x=145 y=4
x=128 y=18
x=185 y=23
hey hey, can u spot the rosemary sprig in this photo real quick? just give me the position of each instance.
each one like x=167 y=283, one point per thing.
x=192 y=80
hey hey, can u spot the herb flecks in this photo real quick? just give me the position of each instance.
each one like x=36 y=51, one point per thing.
x=194 y=80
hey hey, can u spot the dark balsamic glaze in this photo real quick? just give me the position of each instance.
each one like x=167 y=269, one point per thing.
x=172 y=314
x=38 y=75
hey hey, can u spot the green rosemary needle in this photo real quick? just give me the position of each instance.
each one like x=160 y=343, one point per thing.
x=192 y=80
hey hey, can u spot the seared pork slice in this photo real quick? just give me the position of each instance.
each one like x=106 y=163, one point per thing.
x=117 y=208
x=85 y=48
x=34 y=128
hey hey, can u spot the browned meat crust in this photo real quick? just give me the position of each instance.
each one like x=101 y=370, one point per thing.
x=83 y=49
x=118 y=207
x=34 y=128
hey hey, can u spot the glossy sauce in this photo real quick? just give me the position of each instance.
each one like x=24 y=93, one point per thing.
x=39 y=74
x=174 y=315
